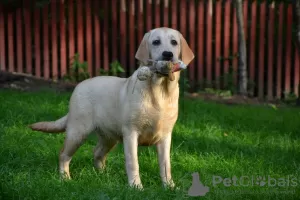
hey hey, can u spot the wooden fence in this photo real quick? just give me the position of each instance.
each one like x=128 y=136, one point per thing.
x=40 y=40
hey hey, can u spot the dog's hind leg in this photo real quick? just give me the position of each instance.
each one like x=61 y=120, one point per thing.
x=74 y=139
x=101 y=150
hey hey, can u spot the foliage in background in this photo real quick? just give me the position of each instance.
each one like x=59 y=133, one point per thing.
x=78 y=71
x=114 y=70
x=184 y=85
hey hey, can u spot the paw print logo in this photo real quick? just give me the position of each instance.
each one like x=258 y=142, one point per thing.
x=261 y=181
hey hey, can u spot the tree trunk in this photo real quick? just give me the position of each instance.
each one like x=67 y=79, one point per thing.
x=298 y=40
x=242 y=58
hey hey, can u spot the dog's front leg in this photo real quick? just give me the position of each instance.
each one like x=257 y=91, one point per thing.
x=130 y=140
x=163 y=150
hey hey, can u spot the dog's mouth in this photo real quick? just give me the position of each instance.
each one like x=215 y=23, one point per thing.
x=167 y=59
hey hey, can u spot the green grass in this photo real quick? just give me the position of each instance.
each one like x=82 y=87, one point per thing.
x=211 y=139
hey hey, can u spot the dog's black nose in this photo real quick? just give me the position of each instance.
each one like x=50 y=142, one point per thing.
x=167 y=55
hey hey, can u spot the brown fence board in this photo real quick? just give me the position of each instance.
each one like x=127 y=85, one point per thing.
x=252 y=60
x=114 y=30
x=46 y=70
x=97 y=41
x=287 y=81
x=245 y=14
x=209 y=17
x=200 y=46
x=88 y=36
x=279 y=52
x=2 y=38
x=140 y=20
x=79 y=30
x=270 y=51
x=123 y=35
x=235 y=46
x=226 y=38
x=28 y=45
x=157 y=13
x=218 y=42
x=105 y=35
x=192 y=21
x=10 y=34
x=19 y=36
x=54 y=40
x=174 y=14
x=297 y=71
x=105 y=31
x=149 y=14
x=166 y=13
x=63 y=44
x=261 y=64
x=183 y=19
x=131 y=37
x=71 y=29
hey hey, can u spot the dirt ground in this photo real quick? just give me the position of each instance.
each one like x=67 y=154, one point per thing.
x=26 y=82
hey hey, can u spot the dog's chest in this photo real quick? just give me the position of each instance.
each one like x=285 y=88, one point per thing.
x=154 y=121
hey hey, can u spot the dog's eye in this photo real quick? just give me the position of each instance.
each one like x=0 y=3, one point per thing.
x=174 y=42
x=156 y=42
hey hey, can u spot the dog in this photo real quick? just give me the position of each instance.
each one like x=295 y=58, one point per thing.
x=138 y=111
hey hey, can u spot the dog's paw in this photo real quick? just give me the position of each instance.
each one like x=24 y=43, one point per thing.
x=144 y=73
x=65 y=176
x=137 y=186
x=170 y=185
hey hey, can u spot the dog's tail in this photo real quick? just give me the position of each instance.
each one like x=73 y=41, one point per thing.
x=57 y=126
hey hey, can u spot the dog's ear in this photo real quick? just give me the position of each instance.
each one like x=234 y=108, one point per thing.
x=187 y=54
x=143 y=54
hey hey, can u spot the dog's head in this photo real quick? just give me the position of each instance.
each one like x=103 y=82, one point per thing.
x=164 y=44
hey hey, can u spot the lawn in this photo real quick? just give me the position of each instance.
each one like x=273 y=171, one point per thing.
x=211 y=139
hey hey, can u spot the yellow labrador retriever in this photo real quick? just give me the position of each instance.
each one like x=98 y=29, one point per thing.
x=139 y=110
